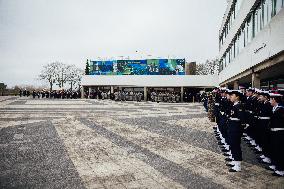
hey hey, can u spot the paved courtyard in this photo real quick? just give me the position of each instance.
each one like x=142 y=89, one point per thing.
x=105 y=144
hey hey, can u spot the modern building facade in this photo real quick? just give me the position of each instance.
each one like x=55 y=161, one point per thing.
x=251 y=44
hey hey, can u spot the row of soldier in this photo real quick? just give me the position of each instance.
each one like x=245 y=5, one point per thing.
x=172 y=97
x=257 y=117
x=55 y=94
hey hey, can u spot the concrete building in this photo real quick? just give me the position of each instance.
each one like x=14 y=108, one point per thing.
x=138 y=77
x=251 y=44
x=147 y=83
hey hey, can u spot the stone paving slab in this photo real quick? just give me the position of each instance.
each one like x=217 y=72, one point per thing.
x=88 y=143
x=33 y=156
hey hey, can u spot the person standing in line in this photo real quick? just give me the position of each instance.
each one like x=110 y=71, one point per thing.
x=34 y=93
x=277 y=135
x=235 y=130
x=265 y=112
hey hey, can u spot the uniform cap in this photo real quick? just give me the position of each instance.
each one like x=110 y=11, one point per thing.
x=265 y=93
x=251 y=89
x=275 y=95
x=236 y=92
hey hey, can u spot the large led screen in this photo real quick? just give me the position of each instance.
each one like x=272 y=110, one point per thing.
x=138 y=67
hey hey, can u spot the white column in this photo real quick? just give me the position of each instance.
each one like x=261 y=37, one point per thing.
x=82 y=92
x=236 y=85
x=255 y=80
x=181 y=94
x=145 y=93
x=90 y=89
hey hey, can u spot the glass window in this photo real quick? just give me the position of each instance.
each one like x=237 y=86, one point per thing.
x=249 y=31
x=237 y=45
x=273 y=12
x=262 y=14
x=235 y=9
x=269 y=7
x=232 y=53
x=265 y=12
x=234 y=49
x=241 y=42
x=230 y=57
x=255 y=23
x=244 y=37
x=245 y=40
x=278 y=5
x=259 y=20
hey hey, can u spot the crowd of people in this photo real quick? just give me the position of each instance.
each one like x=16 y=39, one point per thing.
x=128 y=96
x=120 y=95
x=256 y=116
x=167 y=96
x=154 y=96
x=54 y=94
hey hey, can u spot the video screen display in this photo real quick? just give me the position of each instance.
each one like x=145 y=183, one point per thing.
x=138 y=67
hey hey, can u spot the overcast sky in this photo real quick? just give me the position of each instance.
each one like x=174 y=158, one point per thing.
x=37 y=32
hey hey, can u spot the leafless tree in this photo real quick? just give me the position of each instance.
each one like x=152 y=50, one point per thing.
x=74 y=76
x=48 y=73
x=210 y=67
x=60 y=74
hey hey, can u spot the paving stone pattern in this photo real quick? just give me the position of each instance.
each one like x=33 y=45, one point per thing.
x=86 y=143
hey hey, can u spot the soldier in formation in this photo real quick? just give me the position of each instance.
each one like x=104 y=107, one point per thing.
x=256 y=116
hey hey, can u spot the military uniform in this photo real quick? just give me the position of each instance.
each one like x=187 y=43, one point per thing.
x=249 y=116
x=236 y=120
x=211 y=108
x=277 y=139
x=263 y=133
x=222 y=123
x=253 y=120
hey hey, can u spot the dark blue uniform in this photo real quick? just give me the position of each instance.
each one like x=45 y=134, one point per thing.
x=277 y=138
x=223 y=109
x=235 y=130
x=249 y=115
x=263 y=130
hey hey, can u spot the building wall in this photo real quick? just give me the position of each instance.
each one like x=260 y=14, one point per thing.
x=242 y=13
x=267 y=43
x=151 y=80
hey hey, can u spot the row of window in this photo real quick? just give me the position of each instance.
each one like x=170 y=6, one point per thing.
x=255 y=22
x=236 y=5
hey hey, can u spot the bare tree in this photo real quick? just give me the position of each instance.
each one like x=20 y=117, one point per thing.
x=74 y=76
x=48 y=73
x=60 y=74
x=210 y=67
